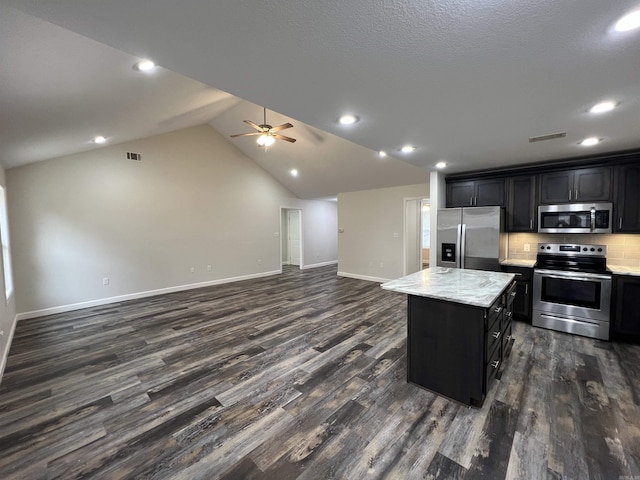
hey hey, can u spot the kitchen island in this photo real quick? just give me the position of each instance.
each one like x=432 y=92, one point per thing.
x=458 y=329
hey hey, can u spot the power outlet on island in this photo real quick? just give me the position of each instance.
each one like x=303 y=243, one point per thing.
x=527 y=247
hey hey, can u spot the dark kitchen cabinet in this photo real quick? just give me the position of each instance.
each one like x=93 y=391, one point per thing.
x=627 y=199
x=626 y=309
x=457 y=350
x=522 y=300
x=576 y=186
x=476 y=193
x=521 y=204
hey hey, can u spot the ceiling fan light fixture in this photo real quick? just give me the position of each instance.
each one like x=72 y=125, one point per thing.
x=266 y=140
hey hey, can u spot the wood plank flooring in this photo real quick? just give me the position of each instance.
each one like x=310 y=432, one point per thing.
x=300 y=375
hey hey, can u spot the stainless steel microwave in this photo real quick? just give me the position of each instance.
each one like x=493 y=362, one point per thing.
x=575 y=218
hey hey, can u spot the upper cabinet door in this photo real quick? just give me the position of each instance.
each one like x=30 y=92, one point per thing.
x=521 y=204
x=556 y=187
x=627 y=204
x=592 y=185
x=576 y=186
x=460 y=194
x=489 y=193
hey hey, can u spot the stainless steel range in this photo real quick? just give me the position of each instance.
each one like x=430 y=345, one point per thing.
x=572 y=289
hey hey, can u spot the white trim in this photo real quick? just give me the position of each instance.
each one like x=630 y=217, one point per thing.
x=134 y=296
x=364 y=277
x=5 y=354
x=321 y=264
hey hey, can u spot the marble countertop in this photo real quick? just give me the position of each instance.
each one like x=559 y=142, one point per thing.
x=518 y=262
x=471 y=287
x=622 y=270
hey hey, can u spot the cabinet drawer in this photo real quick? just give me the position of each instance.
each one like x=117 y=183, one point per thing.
x=509 y=296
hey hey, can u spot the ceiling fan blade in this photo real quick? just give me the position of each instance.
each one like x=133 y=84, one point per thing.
x=246 y=134
x=281 y=127
x=254 y=125
x=282 y=137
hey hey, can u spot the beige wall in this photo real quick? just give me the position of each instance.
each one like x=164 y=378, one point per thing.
x=193 y=201
x=622 y=249
x=368 y=248
x=7 y=308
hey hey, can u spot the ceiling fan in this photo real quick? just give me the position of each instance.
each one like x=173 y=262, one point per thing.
x=267 y=134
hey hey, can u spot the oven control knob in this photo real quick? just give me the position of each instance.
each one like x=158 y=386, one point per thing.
x=584 y=249
x=593 y=249
x=541 y=247
x=599 y=249
x=548 y=247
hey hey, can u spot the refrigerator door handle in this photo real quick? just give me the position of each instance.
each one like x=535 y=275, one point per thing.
x=463 y=239
x=458 y=240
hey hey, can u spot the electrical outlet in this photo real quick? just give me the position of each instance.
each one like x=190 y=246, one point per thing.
x=1 y=333
x=192 y=269
x=105 y=281
x=259 y=261
x=208 y=268
x=527 y=247
x=396 y=234
x=381 y=265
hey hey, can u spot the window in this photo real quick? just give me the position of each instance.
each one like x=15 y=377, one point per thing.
x=4 y=236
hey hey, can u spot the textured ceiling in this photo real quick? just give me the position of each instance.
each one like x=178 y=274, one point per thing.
x=465 y=81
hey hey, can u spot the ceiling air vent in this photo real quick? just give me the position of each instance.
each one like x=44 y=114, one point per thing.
x=134 y=156
x=551 y=136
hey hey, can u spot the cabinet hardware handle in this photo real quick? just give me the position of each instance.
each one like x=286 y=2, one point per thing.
x=620 y=223
x=569 y=194
x=513 y=294
x=496 y=335
x=495 y=364
x=471 y=201
x=531 y=224
x=526 y=289
x=498 y=310
x=508 y=337
x=509 y=314
x=576 y=195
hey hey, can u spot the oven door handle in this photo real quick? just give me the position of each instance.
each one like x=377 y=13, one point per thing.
x=572 y=276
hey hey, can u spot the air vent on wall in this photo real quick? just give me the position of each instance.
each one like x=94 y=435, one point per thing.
x=551 y=136
x=134 y=156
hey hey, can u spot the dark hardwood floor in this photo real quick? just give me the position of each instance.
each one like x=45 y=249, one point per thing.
x=301 y=375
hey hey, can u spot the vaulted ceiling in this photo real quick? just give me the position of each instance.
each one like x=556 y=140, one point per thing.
x=464 y=81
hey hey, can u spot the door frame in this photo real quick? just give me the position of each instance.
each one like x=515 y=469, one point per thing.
x=406 y=226
x=284 y=230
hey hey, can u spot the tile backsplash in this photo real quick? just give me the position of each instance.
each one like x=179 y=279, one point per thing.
x=623 y=250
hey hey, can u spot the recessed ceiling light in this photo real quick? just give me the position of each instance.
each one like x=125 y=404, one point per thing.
x=441 y=164
x=631 y=21
x=590 y=142
x=99 y=139
x=348 y=119
x=382 y=153
x=145 y=65
x=408 y=149
x=603 y=107
x=294 y=172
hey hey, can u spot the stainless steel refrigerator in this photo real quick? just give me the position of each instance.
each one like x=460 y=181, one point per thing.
x=471 y=237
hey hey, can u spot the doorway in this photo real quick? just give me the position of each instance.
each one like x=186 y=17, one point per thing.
x=417 y=235
x=291 y=236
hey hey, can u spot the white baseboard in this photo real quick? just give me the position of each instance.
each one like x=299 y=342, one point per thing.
x=363 y=277
x=4 y=355
x=135 y=296
x=316 y=265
